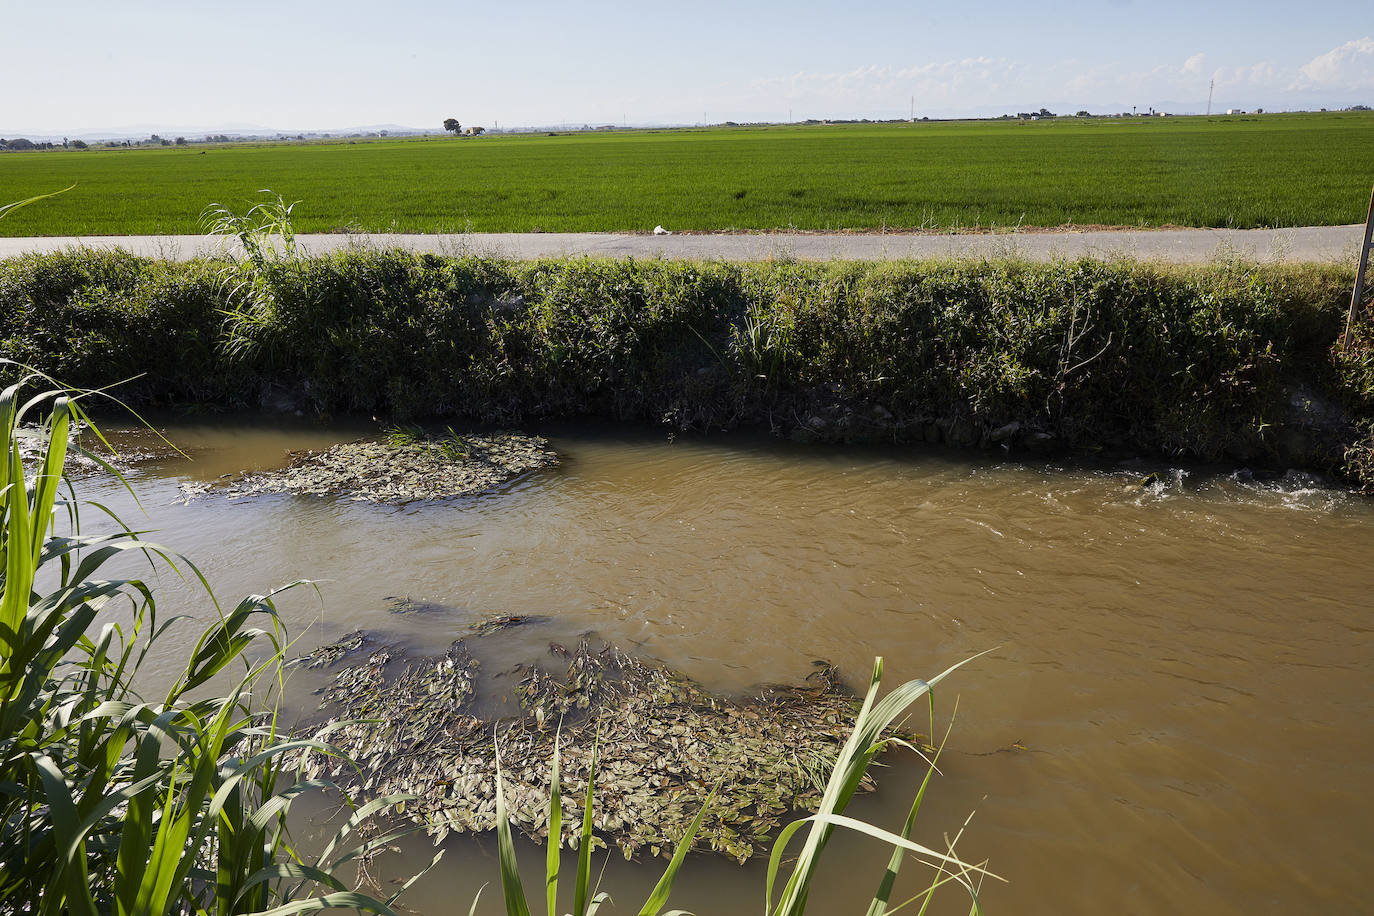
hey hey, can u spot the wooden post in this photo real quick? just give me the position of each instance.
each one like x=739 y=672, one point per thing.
x=1357 y=294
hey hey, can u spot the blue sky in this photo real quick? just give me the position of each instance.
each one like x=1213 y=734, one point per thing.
x=80 y=65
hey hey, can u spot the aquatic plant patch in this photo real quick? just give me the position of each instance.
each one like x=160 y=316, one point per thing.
x=395 y=472
x=662 y=743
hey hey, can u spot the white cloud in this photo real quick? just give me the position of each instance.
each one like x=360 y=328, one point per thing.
x=1255 y=76
x=986 y=84
x=970 y=80
x=1351 y=66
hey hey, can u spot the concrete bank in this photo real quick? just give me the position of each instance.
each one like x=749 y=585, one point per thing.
x=1184 y=246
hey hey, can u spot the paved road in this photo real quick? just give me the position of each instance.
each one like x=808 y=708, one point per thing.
x=1318 y=243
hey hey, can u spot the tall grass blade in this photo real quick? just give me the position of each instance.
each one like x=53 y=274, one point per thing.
x=584 y=846
x=555 y=841
x=881 y=898
x=875 y=716
x=512 y=889
x=659 y=896
x=6 y=209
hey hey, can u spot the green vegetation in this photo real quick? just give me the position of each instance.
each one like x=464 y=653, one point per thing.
x=1194 y=361
x=1270 y=170
x=114 y=803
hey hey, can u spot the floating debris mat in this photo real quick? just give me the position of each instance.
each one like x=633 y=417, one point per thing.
x=398 y=470
x=662 y=742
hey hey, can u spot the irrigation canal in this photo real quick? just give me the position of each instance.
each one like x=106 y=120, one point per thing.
x=1176 y=718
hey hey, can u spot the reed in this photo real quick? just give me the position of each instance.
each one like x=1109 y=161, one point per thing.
x=252 y=282
x=115 y=802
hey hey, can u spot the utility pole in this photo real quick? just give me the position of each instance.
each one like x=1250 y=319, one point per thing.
x=1361 y=291
x=913 y=109
x=1210 y=90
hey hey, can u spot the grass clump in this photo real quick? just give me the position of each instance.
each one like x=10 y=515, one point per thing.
x=1353 y=367
x=253 y=282
x=116 y=802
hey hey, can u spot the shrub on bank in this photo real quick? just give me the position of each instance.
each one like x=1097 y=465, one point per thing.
x=99 y=317
x=1198 y=361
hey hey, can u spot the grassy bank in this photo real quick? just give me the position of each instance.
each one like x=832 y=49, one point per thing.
x=1230 y=360
x=1253 y=171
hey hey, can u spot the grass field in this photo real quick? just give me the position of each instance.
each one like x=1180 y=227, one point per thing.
x=1243 y=172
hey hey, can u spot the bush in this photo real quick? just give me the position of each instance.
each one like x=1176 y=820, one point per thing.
x=1192 y=361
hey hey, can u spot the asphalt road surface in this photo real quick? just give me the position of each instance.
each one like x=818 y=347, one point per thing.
x=1187 y=246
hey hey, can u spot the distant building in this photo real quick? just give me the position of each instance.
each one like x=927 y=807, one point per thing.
x=1235 y=111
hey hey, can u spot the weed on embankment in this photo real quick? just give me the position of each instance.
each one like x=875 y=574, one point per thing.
x=1229 y=359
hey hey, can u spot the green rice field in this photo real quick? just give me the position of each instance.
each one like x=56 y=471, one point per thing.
x=1252 y=171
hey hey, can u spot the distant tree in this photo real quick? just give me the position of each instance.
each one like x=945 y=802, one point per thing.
x=476 y=131
x=452 y=126
x=1084 y=114
x=1046 y=113
x=181 y=141
x=78 y=144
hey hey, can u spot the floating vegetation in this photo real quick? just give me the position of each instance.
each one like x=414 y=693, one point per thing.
x=662 y=743
x=504 y=622
x=326 y=656
x=400 y=469
x=406 y=606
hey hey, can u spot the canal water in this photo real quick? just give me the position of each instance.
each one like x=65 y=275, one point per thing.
x=1176 y=716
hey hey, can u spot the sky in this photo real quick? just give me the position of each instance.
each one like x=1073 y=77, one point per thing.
x=82 y=66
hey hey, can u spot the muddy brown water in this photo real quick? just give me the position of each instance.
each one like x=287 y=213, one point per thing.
x=1186 y=665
